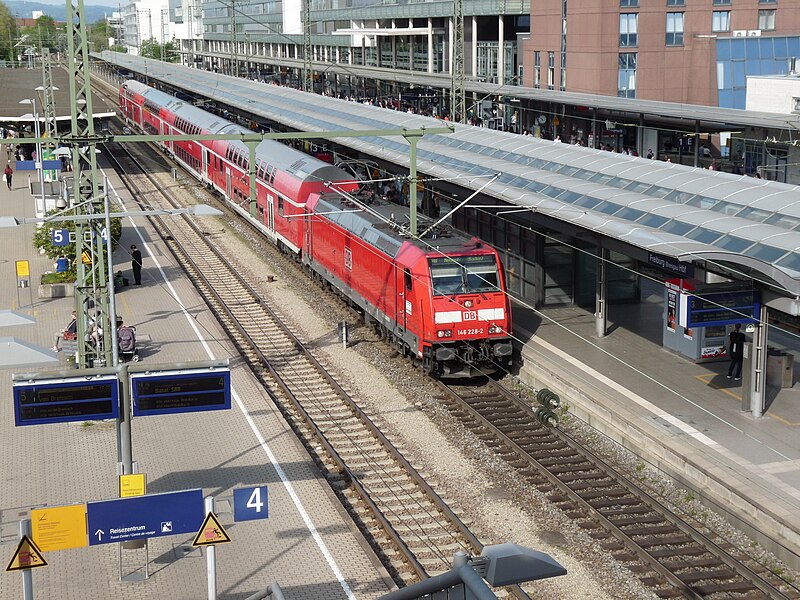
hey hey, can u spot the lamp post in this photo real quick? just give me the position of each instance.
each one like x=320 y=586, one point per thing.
x=39 y=170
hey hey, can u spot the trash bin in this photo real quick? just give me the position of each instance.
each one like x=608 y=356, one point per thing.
x=780 y=369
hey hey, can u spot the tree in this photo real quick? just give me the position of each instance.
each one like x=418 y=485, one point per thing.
x=43 y=237
x=44 y=34
x=99 y=33
x=8 y=33
x=152 y=49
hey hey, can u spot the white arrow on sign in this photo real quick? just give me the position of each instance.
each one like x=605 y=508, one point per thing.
x=99 y=533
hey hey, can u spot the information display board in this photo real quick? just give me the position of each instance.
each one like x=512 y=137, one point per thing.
x=723 y=308
x=63 y=400
x=169 y=392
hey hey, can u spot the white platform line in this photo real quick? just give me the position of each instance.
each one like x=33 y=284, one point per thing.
x=323 y=548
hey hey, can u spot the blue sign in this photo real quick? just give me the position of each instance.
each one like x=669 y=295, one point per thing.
x=172 y=392
x=142 y=517
x=64 y=400
x=60 y=237
x=671 y=265
x=250 y=503
x=30 y=165
x=723 y=308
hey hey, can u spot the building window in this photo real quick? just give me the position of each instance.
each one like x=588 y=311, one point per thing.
x=766 y=19
x=537 y=69
x=551 y=70
x=722 y=2
x=721 y=20
x=676 y=2
x=675 y=29
x=626 y=83
x=767 y=1
x=628 y=30
x=629 y=3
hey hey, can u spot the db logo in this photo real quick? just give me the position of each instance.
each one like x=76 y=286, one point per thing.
x=470 y=315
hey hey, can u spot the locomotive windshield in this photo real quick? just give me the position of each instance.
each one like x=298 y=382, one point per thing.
x=463 y=275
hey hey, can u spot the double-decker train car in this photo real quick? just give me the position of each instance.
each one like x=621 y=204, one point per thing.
x=441 y=300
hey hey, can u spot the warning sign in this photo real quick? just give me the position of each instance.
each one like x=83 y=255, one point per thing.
x=27 y=556
x=211 y=532
x=59 y=527
x=86 y=257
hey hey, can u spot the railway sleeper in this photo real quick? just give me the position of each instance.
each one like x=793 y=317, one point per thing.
x=682 y=563
x=715 y=574
x=739 y=587
x=645 y=530
x=616 y=494
x=599 y=503
x=675 y=540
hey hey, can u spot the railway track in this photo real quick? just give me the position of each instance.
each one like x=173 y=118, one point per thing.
x=668 y=555
x=415 y=529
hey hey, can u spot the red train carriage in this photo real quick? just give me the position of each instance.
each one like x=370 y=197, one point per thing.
x=284 y=176
x=442 y=301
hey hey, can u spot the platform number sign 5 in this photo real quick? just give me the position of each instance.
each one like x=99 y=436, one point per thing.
x=250 y=503
x=61 y=237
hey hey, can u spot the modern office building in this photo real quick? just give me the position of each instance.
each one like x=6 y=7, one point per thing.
x=388 y=35
x=689 y=51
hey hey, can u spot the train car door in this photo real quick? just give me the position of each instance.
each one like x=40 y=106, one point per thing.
x=270 y=213
x=204 y=172
x=228 y=183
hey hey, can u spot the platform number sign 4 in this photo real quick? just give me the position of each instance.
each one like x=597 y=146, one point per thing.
x=250 y=503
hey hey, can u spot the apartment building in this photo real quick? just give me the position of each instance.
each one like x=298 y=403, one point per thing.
x=689 y=51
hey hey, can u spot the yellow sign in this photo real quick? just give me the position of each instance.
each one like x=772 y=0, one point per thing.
x=59 y=527
x=131 y=485
x=211 y=532
x=86 y=257
x=23 y=269
x=27 y=556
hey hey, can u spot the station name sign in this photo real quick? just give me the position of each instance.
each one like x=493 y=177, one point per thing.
x=671 y=265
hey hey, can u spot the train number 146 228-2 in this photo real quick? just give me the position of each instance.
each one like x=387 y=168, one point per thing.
x=470 y=331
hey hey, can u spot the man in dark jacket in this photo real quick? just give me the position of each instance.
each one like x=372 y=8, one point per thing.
x=736 y=352
x=136 y=264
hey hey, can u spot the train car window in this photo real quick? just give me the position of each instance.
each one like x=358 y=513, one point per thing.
x=407 y=279
x=280 y=206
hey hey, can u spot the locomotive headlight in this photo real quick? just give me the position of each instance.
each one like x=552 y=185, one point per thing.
x=467 y=303
x=495 y=329
x=444 y=333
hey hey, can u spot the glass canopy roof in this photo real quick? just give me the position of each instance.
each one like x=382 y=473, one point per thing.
x=684 y=212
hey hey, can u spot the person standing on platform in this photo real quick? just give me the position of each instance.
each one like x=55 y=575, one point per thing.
x=9 y=173
x=136 y=264
x=736 y=351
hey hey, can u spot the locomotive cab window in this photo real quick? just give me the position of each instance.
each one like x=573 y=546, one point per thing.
x=407 y=279
x=447 y=277
x=481 y=274
x=464 y=275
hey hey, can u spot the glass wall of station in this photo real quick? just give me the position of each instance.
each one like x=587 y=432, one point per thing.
x=549 y=269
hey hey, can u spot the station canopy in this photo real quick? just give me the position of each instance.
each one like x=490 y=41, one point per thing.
x=746 y=225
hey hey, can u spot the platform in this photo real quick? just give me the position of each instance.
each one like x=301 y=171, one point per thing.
x=308 y=545
x=682 y=417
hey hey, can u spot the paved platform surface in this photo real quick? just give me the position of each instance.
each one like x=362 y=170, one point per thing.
x=307 y=545
x=683 y=417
